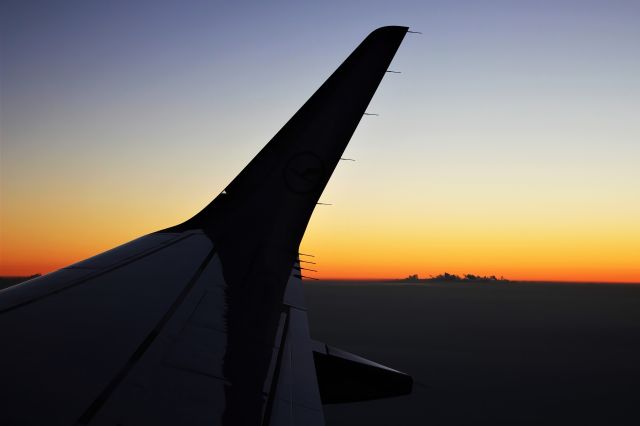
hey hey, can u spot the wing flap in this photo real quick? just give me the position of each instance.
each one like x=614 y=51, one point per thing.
x=180 y=379
x=296 y=400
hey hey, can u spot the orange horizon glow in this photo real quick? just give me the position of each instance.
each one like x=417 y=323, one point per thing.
x=332 y=262
x=577 y=238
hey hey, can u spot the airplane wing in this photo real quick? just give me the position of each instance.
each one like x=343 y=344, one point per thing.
x=203 y=322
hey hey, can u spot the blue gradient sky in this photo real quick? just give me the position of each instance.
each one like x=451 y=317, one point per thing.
x=509 y=144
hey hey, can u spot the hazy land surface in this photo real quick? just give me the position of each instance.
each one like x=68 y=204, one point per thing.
x=489 y=353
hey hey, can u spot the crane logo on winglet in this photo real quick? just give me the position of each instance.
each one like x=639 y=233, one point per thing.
x=304 y=173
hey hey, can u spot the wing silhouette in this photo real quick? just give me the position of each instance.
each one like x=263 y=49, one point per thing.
x=203 y=322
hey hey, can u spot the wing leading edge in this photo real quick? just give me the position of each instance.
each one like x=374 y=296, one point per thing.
x=204 y=322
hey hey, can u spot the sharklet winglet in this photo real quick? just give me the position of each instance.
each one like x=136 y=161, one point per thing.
x=267 y=207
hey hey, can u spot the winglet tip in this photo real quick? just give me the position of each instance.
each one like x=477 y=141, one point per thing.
x=390 y=28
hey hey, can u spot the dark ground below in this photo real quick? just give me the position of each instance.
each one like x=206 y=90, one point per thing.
x=489 y=354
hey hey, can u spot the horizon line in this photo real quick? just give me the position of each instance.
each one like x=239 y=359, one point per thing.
x=387 y=279
x=507 y=280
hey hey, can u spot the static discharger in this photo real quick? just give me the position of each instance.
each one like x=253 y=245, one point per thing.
x=305 y=277
x=298 y=268
x=371 y=113
x=414 y=32
x=306 y=261
x=347 y=159
x=394 y=72
x=303 y=254
x=323 y=204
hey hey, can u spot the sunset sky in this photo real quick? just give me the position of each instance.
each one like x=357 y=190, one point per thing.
x=509 y=145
